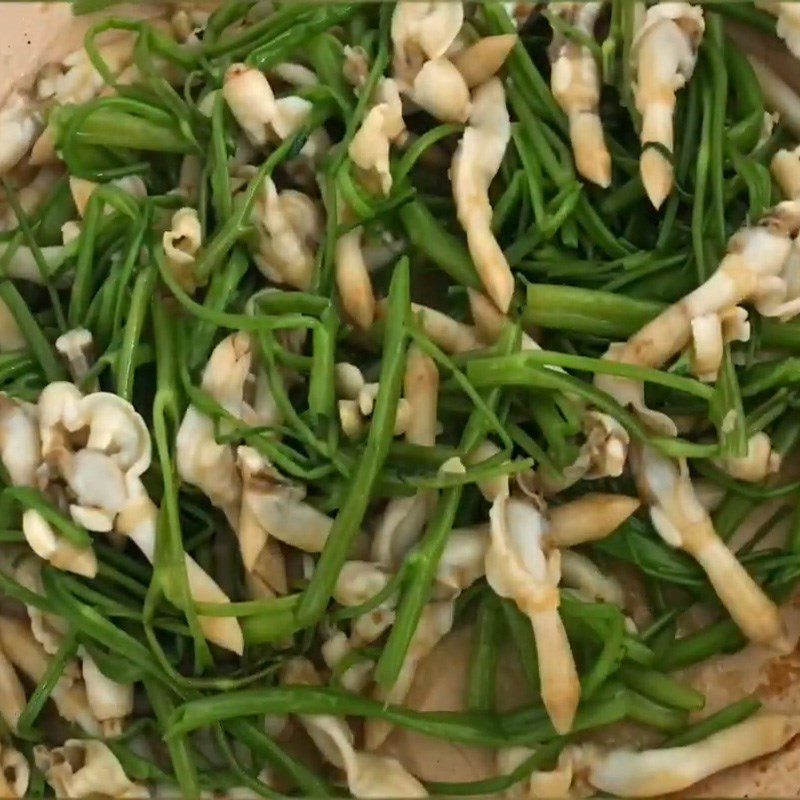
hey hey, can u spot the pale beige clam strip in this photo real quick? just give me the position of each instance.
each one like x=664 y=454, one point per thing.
x=463 y=561
x=29 y=658
x=23 y=266
x=253 y=103
x=368 y=775
x=83 y=189
x=757 y=464
x=352 y=279
x=19 y=441
x=358 y=582
x=755 y=260
x=475 y=163
x=563 y=781
x=778 y=95
x=404 y=518
x=289 y=225
x=434 y=624
x=262 y=556
x=383 y=124
x=229 y=378
x=355 y=68
x=30 y=196
x=295 y=74
x=665 y=53
x=422 y=31
x=483 y=59
x=20 y=124
x=590 y=583
x=680 y=519
x=75 y=80
x=48 y=629
x=445 y=332
x=12 y=693
x=51 y=546
x=181 y=244
x=188 y=24
x=14 y=773
x=654 y=773
x=111 y=703
x=334 y=650
x=788 y=21
x=710 y=334
x=189 y=178
x=517 y=567
x=280 y=509
x=100 y=446
x=491 y=323
x=587 y=519
x=575 y=82
x=138 y=521
x=602 y=454
x=85 y=768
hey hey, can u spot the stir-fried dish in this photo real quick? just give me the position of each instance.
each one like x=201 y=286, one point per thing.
x=330 y=332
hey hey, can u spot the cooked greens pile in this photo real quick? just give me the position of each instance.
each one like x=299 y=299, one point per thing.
x=327 y=329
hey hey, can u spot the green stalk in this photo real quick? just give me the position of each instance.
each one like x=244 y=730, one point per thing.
x=348 y=521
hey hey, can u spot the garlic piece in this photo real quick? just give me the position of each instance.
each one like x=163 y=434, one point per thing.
x=665 y=53
x=785 y=168
x=476 y=162
x=575 y=83
x=482 y=60
x=440 y=89
x=260 y=115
